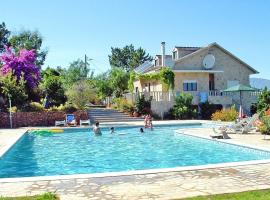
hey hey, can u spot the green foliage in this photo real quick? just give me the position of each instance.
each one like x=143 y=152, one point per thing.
x=14 y=89
x=123 y=105
x=226 y=115
x=132 y=78
x=53 y=86
x=183 y=108
x=29 y=40
x=118 y=81
x=263 y=101
x=77 y=71
x=32 y=107
x=165 y=75
x=249 y=195
x=4 y=34
x=142 y=105
x=128 y=58
x=102 y=85
x=67 y=108
x=46 y=196
x=167 y=78
x=207 y=109
x=80 y=94
x=265 y=125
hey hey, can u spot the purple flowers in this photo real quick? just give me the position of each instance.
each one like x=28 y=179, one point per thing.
x=21 y=65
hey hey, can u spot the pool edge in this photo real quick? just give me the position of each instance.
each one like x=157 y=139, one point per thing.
x=135 y=172
x=10 y=144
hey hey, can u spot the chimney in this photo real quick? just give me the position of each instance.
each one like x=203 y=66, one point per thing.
x=163 y=56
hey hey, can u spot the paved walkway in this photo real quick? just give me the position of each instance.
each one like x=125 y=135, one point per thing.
x=8 y=137
x=169 y=185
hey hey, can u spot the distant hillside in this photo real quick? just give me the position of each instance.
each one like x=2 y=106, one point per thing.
x=260 y=83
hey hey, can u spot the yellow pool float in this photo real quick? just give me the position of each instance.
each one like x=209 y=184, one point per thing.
x=57 y=130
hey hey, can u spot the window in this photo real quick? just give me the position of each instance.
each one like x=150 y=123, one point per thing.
x=190 y=86
x=174 y=55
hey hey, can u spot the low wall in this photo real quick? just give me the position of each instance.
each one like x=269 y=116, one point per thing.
x=46 y=118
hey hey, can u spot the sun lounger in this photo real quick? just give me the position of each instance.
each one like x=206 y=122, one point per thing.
x=70 y=120
x=247 y=125
x=60 y=123
x=221 y=134
x=85 y=122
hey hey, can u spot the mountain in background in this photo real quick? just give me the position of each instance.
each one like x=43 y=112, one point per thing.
x=259 y=83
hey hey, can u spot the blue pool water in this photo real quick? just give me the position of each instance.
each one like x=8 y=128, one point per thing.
x=79 y=151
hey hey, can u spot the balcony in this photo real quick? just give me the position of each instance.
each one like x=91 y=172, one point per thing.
x=218 y=97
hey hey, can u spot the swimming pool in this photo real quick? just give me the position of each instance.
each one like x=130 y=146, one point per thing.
x=78 y=151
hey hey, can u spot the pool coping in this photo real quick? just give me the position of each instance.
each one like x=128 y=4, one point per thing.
x=10 y=144
x=140 y=172
x=133 y=172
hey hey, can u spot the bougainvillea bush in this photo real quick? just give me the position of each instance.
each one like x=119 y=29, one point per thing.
x=21 y=65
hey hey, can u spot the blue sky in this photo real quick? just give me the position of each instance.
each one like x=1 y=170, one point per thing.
x=73 y=28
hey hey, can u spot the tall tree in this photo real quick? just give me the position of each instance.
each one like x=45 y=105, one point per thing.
x=77 y=70
x=22 y=65
x=119 y=81
x=29 y=40
x=103 y=86
x=52 y=85
x=128 y=57
x=4 y=34
x=80 y=94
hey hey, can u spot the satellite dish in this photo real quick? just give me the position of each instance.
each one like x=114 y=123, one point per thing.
x=209 y=61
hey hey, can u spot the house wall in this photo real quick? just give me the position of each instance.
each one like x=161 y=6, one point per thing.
x=154 y=85
x=233 y=69
x=201 y=78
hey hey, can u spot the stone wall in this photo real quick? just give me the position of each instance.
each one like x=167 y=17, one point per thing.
x=46 y=118
x=232 y=69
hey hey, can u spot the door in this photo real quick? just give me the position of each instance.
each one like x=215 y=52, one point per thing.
x=211 y=82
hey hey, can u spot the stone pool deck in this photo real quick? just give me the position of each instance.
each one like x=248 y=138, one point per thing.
x=156 y=185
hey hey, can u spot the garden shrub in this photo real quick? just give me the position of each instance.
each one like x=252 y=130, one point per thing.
x=143 y=106
x=207 y=109
x=183 y=108
x=68 y=108
x=169 y=114
x=264 y=126
x=123 y=105
x=80 y=94
x=263 y=100
x=32 y=107
x=229 y=114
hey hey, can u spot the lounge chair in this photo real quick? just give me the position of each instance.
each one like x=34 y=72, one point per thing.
x=70 y=120
x=246 y=125
x=84 y=122
x=60 y=123
x=221 y=134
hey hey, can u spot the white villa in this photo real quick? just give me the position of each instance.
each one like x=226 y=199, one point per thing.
x=202 y=71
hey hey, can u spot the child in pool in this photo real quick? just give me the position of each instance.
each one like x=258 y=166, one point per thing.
x=96 y=129
x=112 y=130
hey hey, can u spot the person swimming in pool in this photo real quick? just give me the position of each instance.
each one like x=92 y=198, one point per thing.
x=141 y=130
x=112 y=130
x=96 y=129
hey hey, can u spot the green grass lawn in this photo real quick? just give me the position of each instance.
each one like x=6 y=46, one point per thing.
x=250 y=195
x=46 y=196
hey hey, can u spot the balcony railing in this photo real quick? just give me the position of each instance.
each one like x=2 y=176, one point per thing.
x=215 y=97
